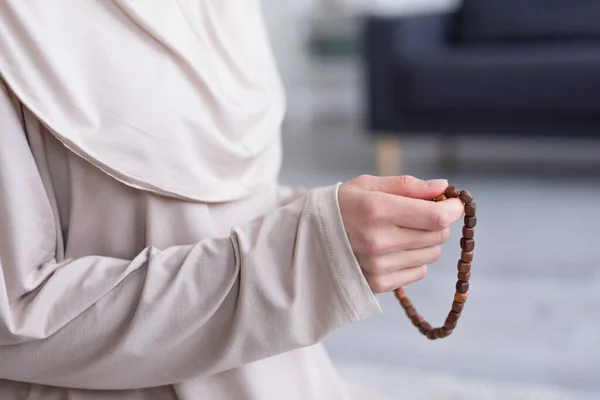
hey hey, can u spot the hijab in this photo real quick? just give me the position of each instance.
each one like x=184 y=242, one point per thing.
x=177 y=97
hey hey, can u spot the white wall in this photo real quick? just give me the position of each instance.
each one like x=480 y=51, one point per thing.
x=288 y=28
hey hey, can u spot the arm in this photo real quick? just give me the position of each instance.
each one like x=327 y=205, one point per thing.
x=289 y=194
x=281 y=282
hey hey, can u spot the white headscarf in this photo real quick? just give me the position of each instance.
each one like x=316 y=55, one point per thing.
x=179 y=97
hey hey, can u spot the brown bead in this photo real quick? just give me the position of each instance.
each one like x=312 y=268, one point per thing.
x=467 y=244
x=470 y=209
x=441 y=197
x=405 y=302
x=466 y=197
x=461 y=297
x=424 y=326
x=462 y=287
x=441 y=332
x=457 y=307
x=470 y=222
x=450 y=325
x=466 y=256
x=452 y=316
x=411 y=311
x=452 y=192
x=430 y=335
x=468 y=233
x=464 y=276
x=464 y=267
x=400 y=293
x=447 y=331
x=416 y=320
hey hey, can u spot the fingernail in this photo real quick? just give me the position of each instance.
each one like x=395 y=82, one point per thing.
x=434 y=183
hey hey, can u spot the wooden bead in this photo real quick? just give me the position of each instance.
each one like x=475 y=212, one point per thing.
x=424 y=326
x=466 y=256
x=430 y=335
x=450 y=325
x=400 y=293
x=468 y=233
x=452 y=316
x=441 y=332
x=444 y=332
x=457 y=307
x=410 y=311
x=441 y=197
x=452 y=192
x=464 y=276
x=470 y=209
x=447 y=331
x=437 y=333
x=416 y=320
x=461 y=297
x=405 y=302
x=462 y=287
x=470 y=222
x=466 y=197
x=464 y=267
x=467 y=244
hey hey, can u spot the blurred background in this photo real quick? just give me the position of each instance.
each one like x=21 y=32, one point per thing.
x=501 y=97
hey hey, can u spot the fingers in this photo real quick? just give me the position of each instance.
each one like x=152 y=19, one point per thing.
x=391 y=263
x=454 y=208
x=412 y=239
x=415 y=213
x=405 y=185
x=391 y=239
x=387 y=283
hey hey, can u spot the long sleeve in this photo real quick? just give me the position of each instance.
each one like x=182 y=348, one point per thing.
x=289 y=194
x=281 y=282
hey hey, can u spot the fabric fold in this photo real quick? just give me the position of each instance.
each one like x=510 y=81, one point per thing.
x=139 y=90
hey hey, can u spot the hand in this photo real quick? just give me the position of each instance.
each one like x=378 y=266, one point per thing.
x=394 y=228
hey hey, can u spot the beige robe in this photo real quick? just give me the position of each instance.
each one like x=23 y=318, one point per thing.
x=146 y=250
x=111 y=292
x=168 y=264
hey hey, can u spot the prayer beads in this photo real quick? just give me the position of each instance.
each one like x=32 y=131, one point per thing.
x=467 y=245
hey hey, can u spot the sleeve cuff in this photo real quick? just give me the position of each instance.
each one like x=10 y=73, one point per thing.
x=352 y=288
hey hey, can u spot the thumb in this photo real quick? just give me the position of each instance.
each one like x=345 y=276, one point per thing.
x=409 y=186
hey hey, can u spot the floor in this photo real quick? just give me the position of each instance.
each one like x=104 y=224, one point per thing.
x=531 y=329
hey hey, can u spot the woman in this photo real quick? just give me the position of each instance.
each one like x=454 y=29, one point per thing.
x=146 y=250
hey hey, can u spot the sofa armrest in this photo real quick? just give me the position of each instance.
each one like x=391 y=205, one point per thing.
x=388 y=41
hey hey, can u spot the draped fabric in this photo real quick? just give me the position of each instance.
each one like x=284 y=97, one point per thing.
x=181 y=98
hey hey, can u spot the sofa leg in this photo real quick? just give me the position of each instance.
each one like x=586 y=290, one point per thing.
x=388 y=155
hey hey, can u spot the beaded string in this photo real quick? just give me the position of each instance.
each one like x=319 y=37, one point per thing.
x=467 y=244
